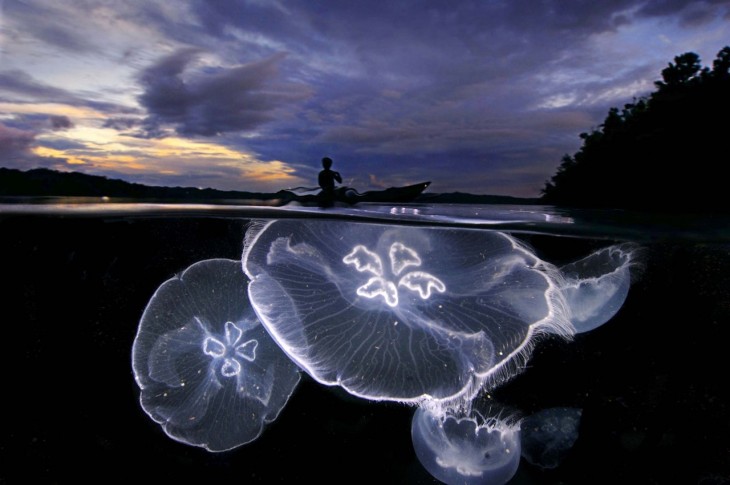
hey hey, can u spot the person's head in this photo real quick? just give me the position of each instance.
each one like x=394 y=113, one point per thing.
x=327 y=162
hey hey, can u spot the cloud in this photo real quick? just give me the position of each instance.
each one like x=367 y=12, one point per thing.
x=14 y=142
x=215 y=100
x=690 y=13
x=21 y=87
x=39 y=123
x=17 y=150
x=121 y=124
x=51 y=24
x=60 y=122
x=179 y=161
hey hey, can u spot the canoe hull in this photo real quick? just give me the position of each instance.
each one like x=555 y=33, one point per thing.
x=351 y=196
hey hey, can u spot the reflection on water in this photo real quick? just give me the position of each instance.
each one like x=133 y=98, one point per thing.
x=650 y=382
x=532 y=219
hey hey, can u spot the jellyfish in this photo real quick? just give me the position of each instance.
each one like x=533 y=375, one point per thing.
x=596 y=286
x=462 y=447
x=548 y=435
x=209 y=373
x=401 y=313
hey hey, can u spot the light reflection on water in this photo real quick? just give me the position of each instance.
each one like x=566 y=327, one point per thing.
x=532 y=219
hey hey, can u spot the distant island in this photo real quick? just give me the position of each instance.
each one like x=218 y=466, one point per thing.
x=42 y=182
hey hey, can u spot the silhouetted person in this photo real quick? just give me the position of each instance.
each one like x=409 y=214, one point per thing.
x=328 y=177
x=327 y=180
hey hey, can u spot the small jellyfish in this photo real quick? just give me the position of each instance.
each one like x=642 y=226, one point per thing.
x=401 y=313
x=461 y=448
x=548 y=435
x=596 y=286
x=208 y=371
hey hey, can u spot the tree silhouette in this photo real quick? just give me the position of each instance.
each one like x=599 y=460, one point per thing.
x=686 y=70
x=666 y=151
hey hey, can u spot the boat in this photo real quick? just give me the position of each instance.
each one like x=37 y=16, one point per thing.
x=351 y=196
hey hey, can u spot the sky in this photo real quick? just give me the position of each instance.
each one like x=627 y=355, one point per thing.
x=478 y=96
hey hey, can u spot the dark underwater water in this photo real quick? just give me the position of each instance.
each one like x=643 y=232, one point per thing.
x=652 y=383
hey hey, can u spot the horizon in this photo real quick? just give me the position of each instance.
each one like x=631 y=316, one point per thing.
x=477 y=97
x=113 y=179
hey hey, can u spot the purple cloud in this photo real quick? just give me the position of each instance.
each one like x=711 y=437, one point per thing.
x=51 y=24
x=59 y=122
x=22 y=87
x=215 y=101
x=121 y=124
x=690 y=13
x=14 y=143
x=16 y=150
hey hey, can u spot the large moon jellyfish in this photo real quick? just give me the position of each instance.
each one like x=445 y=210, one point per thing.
x=464 y=447
x=427 y=315
x=401 y=312
x=596 y=286
x=208 y=371
x=548 y=435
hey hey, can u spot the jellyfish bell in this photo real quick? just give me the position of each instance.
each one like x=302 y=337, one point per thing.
x=208 y=372
x=400 y=313
x=596 y=286
x=463 y=447
x=549 y=435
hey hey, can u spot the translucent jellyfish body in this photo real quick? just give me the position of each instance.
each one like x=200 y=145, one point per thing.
x=548 y=435
x=596 y=286
x=400 y=312
x=208 y=371
x=466 y=449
